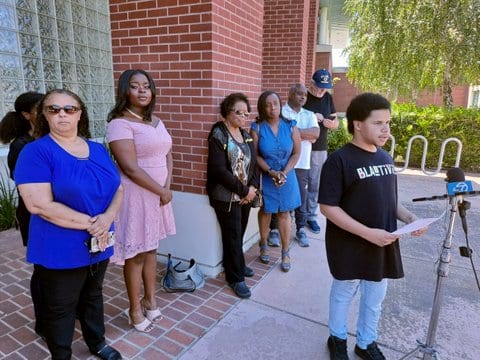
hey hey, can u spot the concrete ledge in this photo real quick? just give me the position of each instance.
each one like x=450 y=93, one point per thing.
x=198 y=233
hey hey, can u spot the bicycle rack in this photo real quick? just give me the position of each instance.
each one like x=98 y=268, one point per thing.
x=424 y=154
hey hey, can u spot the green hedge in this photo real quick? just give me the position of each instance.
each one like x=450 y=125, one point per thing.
x=436 y=124
x=7 y=203
x=339 y=137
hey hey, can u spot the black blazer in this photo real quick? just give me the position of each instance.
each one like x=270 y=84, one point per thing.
x=221 y=182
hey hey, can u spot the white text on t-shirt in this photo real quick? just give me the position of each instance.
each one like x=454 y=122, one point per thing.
x=375 y=170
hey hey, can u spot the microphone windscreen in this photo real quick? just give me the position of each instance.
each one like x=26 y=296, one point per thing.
x=455 y=175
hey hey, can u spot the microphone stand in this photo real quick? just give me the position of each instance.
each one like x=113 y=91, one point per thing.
x=428 y=349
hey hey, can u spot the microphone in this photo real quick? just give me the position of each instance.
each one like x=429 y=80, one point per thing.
x=456 y=185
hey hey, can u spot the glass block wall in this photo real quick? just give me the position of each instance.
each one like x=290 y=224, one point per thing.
x=46 y=44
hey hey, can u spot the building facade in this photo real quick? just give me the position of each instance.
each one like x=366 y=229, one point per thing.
x=197 y=52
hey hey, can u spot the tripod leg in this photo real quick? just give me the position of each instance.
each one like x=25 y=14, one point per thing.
x=411 y=353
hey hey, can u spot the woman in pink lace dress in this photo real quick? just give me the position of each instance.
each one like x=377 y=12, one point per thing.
x=142 y=148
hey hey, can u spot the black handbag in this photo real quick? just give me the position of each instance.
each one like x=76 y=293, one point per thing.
x=182 y=277
x=258 y=199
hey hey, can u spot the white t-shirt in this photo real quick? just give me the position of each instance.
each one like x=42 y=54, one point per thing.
x=305 y=120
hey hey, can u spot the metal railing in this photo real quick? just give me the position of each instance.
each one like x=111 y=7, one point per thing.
x=424 y=154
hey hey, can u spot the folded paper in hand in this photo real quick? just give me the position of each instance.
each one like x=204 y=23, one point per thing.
x=416 y=225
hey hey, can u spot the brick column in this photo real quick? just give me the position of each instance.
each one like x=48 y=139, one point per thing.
x=285 y=44
x=197 y=52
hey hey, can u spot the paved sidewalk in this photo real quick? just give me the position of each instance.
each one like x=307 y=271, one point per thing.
x=287 y=314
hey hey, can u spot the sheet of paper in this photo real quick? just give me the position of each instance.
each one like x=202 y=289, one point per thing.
x=416 y=225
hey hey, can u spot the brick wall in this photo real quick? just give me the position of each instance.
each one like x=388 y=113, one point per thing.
x=197 y=52
x=323 y=60
x=285 y=44
x=344 y=92
x=459 y=94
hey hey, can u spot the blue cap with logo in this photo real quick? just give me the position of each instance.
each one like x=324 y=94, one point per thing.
x=322 y=79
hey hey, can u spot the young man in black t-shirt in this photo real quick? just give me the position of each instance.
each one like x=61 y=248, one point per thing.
x=358 y=196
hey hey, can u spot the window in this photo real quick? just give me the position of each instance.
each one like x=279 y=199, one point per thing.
x=475 y=102
x=46 y=44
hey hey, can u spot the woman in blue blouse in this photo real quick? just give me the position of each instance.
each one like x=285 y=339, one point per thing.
x=277 y=141
x=72 y=189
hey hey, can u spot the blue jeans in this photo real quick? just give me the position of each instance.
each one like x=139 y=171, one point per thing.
x=342 y=293
x=317 y=159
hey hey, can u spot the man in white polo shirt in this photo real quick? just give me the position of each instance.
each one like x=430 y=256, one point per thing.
x=309 y=131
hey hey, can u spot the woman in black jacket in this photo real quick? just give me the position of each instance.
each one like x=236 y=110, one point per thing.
x=232 y=183
x=17 y=128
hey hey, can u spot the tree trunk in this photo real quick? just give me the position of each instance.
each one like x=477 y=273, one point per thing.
x=447 y=91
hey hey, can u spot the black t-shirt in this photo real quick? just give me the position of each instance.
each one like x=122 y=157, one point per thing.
x=324 y=106
x=364 y=185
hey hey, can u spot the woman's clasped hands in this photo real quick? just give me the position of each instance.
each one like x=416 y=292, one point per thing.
x=99 y=228
x=279 y=177
x=252 y=192
x=166 y=197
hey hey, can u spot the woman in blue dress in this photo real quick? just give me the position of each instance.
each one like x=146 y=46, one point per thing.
x=277 y=142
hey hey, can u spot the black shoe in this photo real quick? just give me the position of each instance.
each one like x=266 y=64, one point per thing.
x=241 y=289
x=337 y=348
x=372 y=352
x=108 y=353
x=248 y=272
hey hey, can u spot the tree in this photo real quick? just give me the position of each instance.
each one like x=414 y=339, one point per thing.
x=401 y=47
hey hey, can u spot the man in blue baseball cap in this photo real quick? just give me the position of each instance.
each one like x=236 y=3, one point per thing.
x=319 y=101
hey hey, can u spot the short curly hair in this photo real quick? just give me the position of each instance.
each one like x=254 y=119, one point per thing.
x=229 y=101
x=362 y=105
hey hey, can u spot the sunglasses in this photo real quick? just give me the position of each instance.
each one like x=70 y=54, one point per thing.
x=240 y=113
x=55 y=109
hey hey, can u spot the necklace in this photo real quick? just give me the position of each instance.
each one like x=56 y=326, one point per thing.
x=135 y=115
x=237 y=135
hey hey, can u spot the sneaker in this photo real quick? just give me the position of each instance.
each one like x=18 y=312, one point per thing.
x=372 y=352
x=273 y=238
x=337 y=348
x=302 y=238
x=241 y=289
x=313 y=225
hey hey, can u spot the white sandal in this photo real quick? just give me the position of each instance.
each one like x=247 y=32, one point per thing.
x=145 y=326
x=153 y=315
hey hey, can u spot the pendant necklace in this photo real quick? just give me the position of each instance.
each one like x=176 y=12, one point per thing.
x=135 y=115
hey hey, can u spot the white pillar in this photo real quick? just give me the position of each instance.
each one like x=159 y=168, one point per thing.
x=323 y=32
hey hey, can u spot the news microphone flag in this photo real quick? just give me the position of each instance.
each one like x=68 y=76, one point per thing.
x=456 y=183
